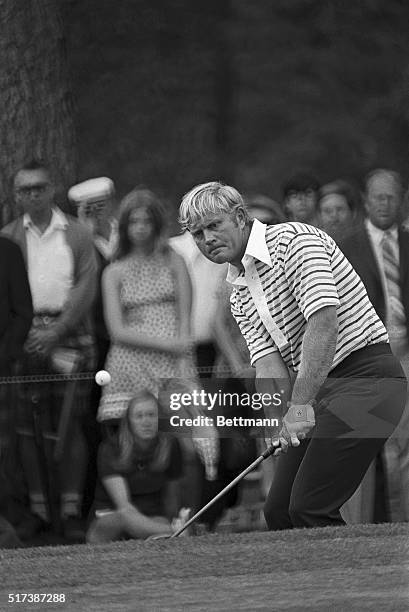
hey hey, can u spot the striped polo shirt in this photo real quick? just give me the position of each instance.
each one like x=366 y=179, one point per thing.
x=301 y=270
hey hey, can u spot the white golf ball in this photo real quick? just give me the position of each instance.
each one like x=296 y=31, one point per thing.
x=102 y=378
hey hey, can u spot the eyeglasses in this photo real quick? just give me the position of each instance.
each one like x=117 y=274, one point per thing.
x=27 y=190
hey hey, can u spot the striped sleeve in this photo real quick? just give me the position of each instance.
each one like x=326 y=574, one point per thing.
x=259 y=341
x=309 y=274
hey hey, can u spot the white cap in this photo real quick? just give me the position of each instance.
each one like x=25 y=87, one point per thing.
x=93 y=190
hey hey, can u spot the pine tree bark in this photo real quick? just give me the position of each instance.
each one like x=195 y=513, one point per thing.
x=36 y=118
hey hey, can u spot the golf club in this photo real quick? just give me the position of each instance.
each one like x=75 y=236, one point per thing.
x=269 y=451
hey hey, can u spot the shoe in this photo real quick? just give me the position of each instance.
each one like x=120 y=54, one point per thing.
x=31 y=526
x=73 y=529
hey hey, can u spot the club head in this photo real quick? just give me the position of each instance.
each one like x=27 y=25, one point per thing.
x=161 y=536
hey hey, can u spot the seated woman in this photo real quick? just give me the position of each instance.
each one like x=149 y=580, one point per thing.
x=137 y=490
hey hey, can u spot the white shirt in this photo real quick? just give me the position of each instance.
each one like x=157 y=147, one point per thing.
x=50 y=263
x=206 y=277
x=300 y=270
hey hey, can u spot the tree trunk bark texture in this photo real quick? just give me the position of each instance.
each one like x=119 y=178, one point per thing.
x=36 y=118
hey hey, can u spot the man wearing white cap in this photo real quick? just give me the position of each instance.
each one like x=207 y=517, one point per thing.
x=94 y=200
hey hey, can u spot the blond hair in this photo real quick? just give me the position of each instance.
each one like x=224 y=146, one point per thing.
x=209 y=198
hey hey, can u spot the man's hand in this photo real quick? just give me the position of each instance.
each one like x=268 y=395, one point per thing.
x=271 y=438
x=41 y=341
x=297 y=422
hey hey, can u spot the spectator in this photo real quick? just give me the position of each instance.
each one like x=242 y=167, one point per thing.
x=94 y=200
x=137 y=494
x=264 y=209
x=205 y=278
x=300 y=194
x=379 y=252
x=62 y=273
x=16 y=313
x=339 y=208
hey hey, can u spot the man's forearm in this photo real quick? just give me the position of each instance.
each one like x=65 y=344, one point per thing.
x=274 y=383
x=318 y=350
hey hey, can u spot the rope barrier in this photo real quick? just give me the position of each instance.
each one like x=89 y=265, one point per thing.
x=45 y=378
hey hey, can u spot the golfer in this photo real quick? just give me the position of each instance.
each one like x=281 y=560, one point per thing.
x=313 y=335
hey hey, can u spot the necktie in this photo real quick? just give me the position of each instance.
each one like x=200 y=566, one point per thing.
x=390 y=255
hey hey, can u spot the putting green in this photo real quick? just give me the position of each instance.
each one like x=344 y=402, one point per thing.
x=349 y=569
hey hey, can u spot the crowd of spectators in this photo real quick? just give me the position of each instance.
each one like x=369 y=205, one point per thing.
x=107 y=288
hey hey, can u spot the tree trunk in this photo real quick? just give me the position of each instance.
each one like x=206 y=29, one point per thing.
x=224 y=92
x=36 y=118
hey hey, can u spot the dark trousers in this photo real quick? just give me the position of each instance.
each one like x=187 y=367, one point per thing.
x=357 y=409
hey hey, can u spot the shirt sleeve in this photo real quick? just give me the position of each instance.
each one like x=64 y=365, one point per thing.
x=259 y=341
x=308 y=271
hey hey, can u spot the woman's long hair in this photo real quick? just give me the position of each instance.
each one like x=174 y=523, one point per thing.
x=130 y=449
x=141 y=197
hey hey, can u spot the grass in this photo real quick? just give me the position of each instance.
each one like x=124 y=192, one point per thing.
x=356 y=568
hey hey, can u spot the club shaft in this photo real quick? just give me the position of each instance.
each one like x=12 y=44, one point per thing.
x=232 y=484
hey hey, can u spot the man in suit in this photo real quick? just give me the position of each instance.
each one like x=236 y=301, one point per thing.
x=16 y=313
x=379 y=252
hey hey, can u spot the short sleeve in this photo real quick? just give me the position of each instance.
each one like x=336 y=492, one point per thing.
x=258 y=340
x=307 y=267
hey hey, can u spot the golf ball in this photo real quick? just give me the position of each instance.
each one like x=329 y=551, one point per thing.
x=102 y=378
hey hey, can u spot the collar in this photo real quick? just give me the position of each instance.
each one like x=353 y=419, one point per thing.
x=256 y=248
x=58 y=220
x=378 y=234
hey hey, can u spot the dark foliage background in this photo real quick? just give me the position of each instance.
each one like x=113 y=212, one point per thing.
x=173 y=93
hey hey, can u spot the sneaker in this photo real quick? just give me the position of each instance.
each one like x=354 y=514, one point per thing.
x=73 y=529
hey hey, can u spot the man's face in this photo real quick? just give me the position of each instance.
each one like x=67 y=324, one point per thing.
x=383 y=200
x=335 y=211
x=221 y=237
x=33 y=191
x=301 y=205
